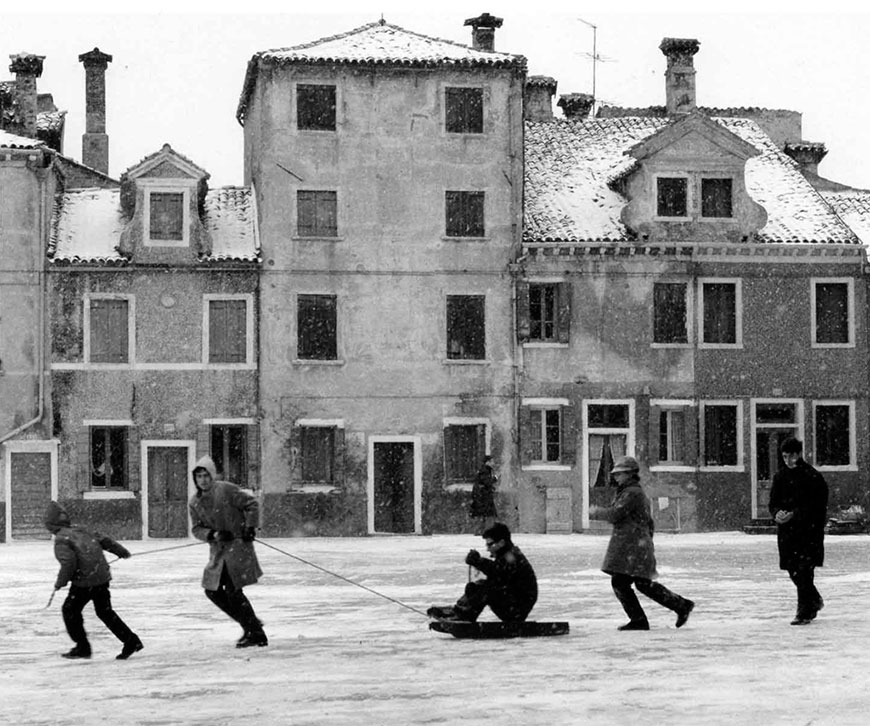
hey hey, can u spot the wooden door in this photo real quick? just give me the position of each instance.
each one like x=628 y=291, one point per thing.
x=167 y=491
x=30 y=494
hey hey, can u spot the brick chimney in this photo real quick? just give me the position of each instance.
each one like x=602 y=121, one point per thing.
x=680 y=74
x=483 y=31
x=538 y=98
x=27 y=68
x=95 y=141
x=806 y=153
x=576 y=105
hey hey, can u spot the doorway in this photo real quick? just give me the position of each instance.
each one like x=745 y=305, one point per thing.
x=394 y=485
x=31 y=482
x=167 y=488
x=773 y=421
x=608 y=427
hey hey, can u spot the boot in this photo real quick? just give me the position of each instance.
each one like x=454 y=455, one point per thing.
x=684 y=612
x=439 y=612
x=635 y=625
x=257 y=638
x=130 y=647
x=80 y=651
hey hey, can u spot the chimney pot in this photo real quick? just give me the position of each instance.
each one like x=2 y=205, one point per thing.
x=95 y=141
x=27 y=68
x=680 y=74
x=807 y=153
x=483 y=31
x=576 y=105
x=538 y=98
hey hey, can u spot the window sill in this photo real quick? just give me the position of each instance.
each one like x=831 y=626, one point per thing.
x=544 y=344
x=312 y=489
x=844 y=467
x=229 y=366
x=722 y=469
x=177 y=243
x=672 y=468
x=464 y=362
x=670 y=345
x=720 y=346
x=547 y=467
x=93 y=494
x=317 y=238
x=451 y=238
x=458 y=487
x=823 y=346
x=317 y=362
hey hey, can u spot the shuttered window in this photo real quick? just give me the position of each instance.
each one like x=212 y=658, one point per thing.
x=464 y=213
x=316 y=326
x=110 y=334
x=466 y=327
x=317 y=213
x=720 y=313
x=670 y=323
x=227 y=331
x=315 y=107
x=228 y=448
x=166 y=216
x=832 y=313
x=463 y=110
x=464 y=449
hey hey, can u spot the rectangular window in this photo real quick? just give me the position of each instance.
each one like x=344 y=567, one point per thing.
x=608 y=416
x=720 y=434
x=229 y=447
x=670 y=313
x=316 y=214
x=227 y=331
x=316 y=327
x=464 y=449
x=464 y=214
x=720 y=313
x=716 y=198
x=315 y=107
x=466 y=327
x=671 y=196
x=108 y=457
x=544 y=312
x=317 y=454
x=832 y=313
x=833 y=435
x=672 y=436
x=109 y=330
x=464 y=110
x=166 y=216
x=546 y=435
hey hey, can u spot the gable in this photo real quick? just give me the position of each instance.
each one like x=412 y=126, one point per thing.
x=167 y=170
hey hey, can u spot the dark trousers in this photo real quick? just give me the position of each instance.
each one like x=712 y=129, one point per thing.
x=809 y=599
x=233 y=602
x=75 y=603
x=653 y=590
x=504 y=604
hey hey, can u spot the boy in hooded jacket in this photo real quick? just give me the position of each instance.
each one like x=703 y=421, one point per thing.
x=226 y=516
x=82 y=563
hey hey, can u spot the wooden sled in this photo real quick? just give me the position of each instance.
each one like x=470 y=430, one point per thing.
x=497 y=630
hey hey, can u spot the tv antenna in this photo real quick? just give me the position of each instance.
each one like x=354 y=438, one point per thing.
x=593 y=56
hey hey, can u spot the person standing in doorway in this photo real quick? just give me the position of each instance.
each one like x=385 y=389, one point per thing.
x=630 y=558
x=482 y=508
x=799 y=504
x=226 y=516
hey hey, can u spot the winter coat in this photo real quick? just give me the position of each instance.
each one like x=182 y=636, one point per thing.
x=510 y=571
x=79 y=551
x=225 y=507
x=801 y=540
x=630 y=550
x=483 y=493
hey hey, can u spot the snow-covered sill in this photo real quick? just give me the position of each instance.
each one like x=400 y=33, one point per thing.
x=547 y=467
x=837 y=468
x=545 y=345
x=670 y=345
x=304 y=362
x=109 y=495
x=458 y=487
x=723 y=469
x=665 y=467
x=312 y=489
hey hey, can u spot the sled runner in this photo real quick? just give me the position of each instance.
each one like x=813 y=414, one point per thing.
x=495 y=630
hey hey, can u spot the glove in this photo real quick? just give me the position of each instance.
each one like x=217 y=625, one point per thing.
x=220 y=535
x=473 y=557
x=249 y=534
x=126 y=556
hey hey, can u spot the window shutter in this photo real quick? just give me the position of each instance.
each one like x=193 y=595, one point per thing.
x=568 y=443
x=481 y=445
x=525 y=426
x=523 y=322
x=134 y=463
x=296 y=454
x=339 y=465
x=118 y=334
x=83 y=444
x=564 y=313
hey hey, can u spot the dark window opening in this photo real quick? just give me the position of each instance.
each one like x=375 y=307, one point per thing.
x=464 y=110
x=317 y=214
x=720 y=435
x=720 y=313
x=167 y=216
x=466 y=328
x=464 y=211
x=229 y=446
x=716 y=199
x=775 y=413
x=670 y=313
x=463 y=451
x=227 y=331
x=832 y=313
x=316 y=327
x=318 y=454
x=608 y=416
x=109 y=457
x=543 y=312
x=672 y=196
x=833 y=435
x=315 y=107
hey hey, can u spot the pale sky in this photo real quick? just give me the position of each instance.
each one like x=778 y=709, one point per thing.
x=177 y=75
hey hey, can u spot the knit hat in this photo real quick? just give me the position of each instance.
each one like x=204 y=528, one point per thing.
x=55 y=517
x=625 y=463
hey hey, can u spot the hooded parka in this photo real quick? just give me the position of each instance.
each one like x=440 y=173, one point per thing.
x=225 y=508
x=630 y=550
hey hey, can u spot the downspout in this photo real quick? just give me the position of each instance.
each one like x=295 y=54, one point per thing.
x=40 y=346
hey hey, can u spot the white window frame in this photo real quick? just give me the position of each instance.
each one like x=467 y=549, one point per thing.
x=673 y=404
x=738 y=313
x=163 y=188
x=690 y=196
x=249 y=329
x=850 y=296
x=741 y=456
x=547 y=404
x=131 y=329
x=690 y=314
x=853 y=439
x=312 y=423
x=465 y=421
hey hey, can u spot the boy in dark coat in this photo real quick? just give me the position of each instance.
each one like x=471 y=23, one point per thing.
x=510 y=588
x=82 y=563
x=226 y=516
x=630 y=557
x=799 y=504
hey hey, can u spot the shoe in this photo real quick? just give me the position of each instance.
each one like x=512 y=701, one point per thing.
x=456 y=618
x=635 y=625
x=440 y=612
x=802 y=620
x=133 y=646
x=683 y=615
x=249 y=640
x=78 y=652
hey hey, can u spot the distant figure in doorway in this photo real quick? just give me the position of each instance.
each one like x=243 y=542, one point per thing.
x=799 y=504
x=482 y=508
x=84 y=566
x=227 y=517
x=510 y=587
x=630 y=558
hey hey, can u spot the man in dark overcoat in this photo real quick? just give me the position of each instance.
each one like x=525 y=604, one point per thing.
x=483 y=495
x=630 y=558
x=799 y=504
x=226 y=516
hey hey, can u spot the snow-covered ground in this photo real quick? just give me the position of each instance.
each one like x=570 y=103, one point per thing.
x=341 y=655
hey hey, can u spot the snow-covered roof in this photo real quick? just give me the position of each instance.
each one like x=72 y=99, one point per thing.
x=853 y=207
x=379 y=43
x=570 y=166
x=11 y=141
x=87 y=226
x=49 y=120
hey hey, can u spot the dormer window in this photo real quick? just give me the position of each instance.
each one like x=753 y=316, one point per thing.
x=166 y=217
x=672 y=196
x=716 y=198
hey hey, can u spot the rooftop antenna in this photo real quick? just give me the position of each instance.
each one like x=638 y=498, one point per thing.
x=594 y=57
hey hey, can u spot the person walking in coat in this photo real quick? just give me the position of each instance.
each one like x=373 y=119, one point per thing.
x=630 y=558
x=510 y=588
x=799 y=504
x=483 y=495
x=83 y=565
x=227 y=517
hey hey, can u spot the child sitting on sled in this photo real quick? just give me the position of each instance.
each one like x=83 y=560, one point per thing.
x=509 y=587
